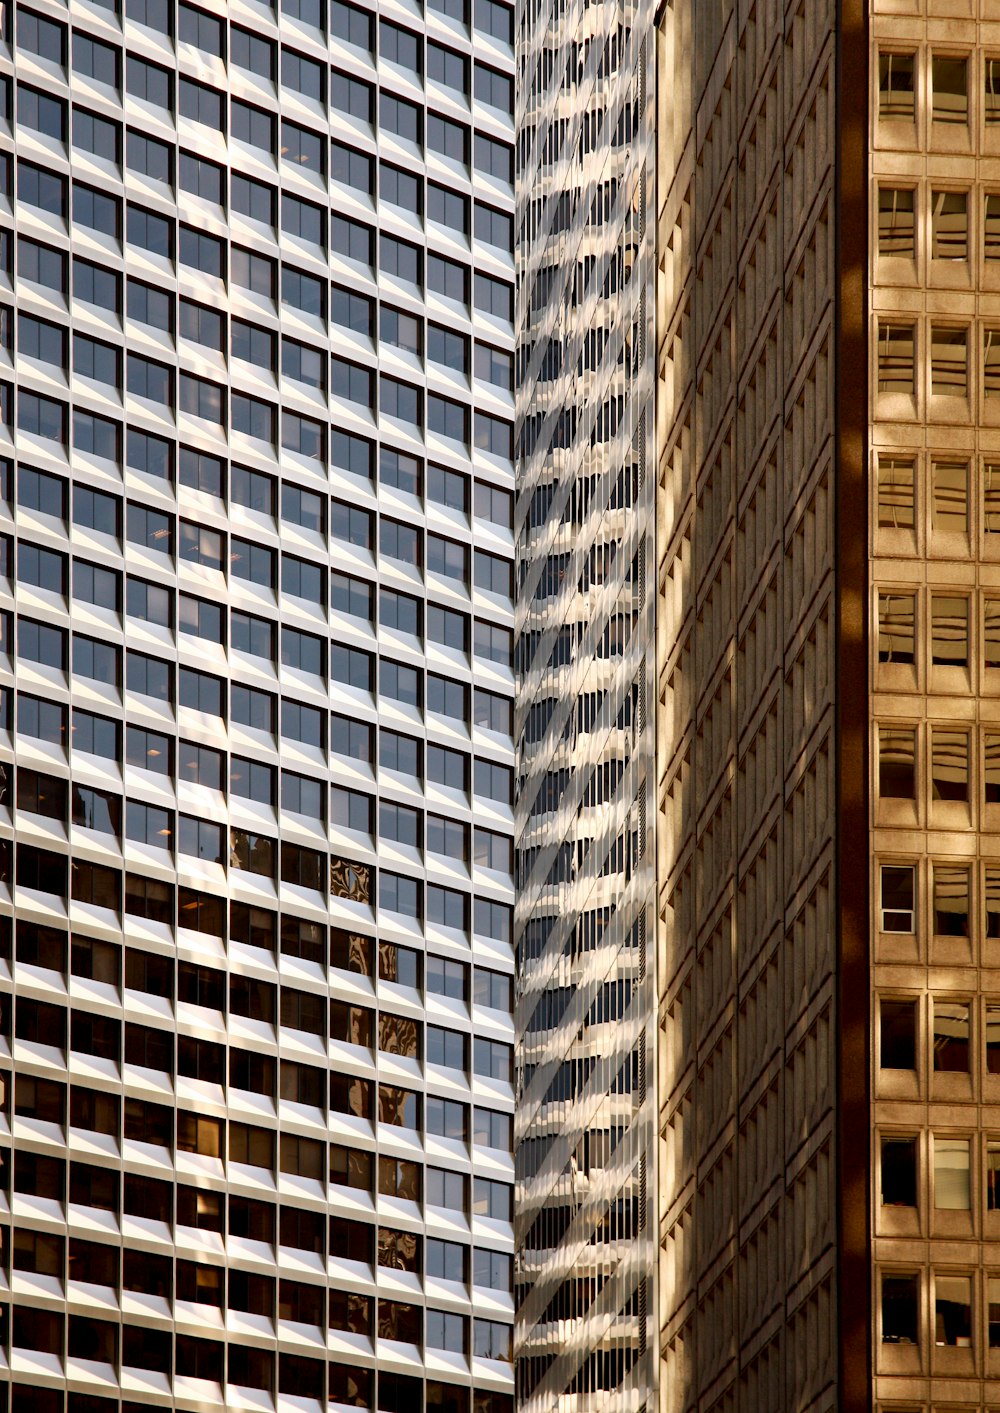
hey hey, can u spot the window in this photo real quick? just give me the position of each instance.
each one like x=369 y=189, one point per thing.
x=251 y=52
x=303 y=76
x=303 y=219
x=95 y=735
x=953 y=1310
x=256 y=273
x=494 y=158
x=952 y=1185
x=202 y=30
x=897 y=762
x=401 y=684
x=149 y=750
x=949 y=764
x=494 y=575
x=47 y=115
x=949 y=225
x=950 y=88
x=950 y=901
x=200 y=103
x=949 y=361
x=895 y=493
x=897 y=892
x=95 y=135
x=949 y=631
x=493 y=712
x=202 y=252
x=351 y=738
x=492 y=1130
x=151 y=233
x=897 y=358
x=149 y=82
x=38 y=187
x=399 y=117
x=896 y=94
x=493 y=1200
x=896 y=614
x=41 y=264
x=493 y=1059
x=448 y=138
x=97 y=61
x=951 y=1037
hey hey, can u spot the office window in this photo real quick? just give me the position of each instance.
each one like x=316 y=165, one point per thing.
x=897 y=884
x=949 y=764
x=951 y=1036
x=950 y=492
x=897 y=358
x=896 y=493
x=949 y=631
x=949 y=361
x=950 y=89
x=949 y=225
x=951 y=901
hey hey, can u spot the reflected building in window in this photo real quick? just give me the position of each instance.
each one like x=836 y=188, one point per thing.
x=256 y=706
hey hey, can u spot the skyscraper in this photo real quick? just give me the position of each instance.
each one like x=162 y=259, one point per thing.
x=827 y=458
x=586 y=1009
x=256 y=493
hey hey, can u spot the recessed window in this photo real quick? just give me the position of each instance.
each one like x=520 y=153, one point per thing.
x=949 y=630
x=897 y=886
x=896 y=358
x=949 y=225
x=899 y=1172
x=951 y=901
x=950 y=89
x=896 y=628
x=949 y=361
x=949 y=764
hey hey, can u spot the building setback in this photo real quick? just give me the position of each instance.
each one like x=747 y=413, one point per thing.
x=256 y=532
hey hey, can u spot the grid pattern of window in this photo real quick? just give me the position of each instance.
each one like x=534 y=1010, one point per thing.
x=585 y=651
x=935 y=750
x=256 y=505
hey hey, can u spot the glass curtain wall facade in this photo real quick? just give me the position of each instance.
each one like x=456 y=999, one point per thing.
x=585 y=1120
x=256 y=831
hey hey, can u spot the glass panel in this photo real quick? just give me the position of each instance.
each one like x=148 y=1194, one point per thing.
x=952 y=1186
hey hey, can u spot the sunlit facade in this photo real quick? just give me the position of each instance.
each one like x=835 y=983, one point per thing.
x=256 y=830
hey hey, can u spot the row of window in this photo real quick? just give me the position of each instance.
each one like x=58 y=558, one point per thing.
x=198 y=249
x=107 y=1189
x=160 y=531
x=311 y=510
x=258 y=418
x=946 y=774
x=297 y=1303
x=252 y=50
x=350 y=1384
x=351 y=739
x=951 y=1312
x=137 y=1347
x=159 y=680
x=49 y=949
x=949 y=627
x=290 y=1081
x=947 y=78
x=947 y=355
x=950 y=1034
x=951 y=1172
x=258 y=927
x=951 y=490
x=951 y=889
x=252 y=1146
x=45 y=871
x=305 y=1011
x=948 y=217
x=101 y=362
